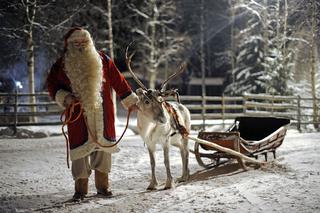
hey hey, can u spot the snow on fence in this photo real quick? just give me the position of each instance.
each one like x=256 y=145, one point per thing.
x=15 y=109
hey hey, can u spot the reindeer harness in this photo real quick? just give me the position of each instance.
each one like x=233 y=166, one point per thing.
x=175 y=118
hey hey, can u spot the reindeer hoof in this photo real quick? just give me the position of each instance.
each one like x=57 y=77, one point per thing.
x=169 y=185
x=182 y=179
x=151 y=188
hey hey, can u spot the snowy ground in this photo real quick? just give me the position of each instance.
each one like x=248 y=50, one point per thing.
x=34 y=178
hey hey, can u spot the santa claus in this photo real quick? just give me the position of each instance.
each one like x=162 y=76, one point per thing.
x=83 y=74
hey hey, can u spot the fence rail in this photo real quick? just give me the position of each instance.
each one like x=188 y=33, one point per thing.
x=15 y=109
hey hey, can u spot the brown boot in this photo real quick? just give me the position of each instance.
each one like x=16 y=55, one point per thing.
x=81 y=189
x=102 y=183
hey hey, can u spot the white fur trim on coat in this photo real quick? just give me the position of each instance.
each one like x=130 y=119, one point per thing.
x=130 y=100
x=96 y=125
x=89 y=147
x=60 y=96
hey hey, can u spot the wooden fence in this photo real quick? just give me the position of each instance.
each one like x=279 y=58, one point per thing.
x=15 y=109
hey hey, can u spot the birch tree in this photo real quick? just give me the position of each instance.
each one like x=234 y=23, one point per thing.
x=31 y=7
x=110 y=40
x=202 y=59
x=23 y=33
x=232 y=39
x=280 y=56
x=152 y=18
x=313 y=61
x=307 y=79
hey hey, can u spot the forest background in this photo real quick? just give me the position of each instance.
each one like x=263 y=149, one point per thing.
x=254 y=46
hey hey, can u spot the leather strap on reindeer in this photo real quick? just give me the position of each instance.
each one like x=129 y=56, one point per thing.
x=173 y=114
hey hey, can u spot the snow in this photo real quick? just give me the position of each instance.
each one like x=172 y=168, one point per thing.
x=34 y=178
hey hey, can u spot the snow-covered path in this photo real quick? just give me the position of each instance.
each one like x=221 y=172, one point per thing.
x=34 y=178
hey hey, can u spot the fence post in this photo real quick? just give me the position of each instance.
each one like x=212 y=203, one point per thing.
x=244 y=104
x=272 y=104
x=222 y=111
x=299 y=113
x=203 y=111
x=15 y=112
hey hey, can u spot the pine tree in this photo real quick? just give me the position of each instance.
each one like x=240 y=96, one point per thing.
x=248 y=74
x=264 y=59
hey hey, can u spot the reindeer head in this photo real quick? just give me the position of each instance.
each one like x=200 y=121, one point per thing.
x=150 y=104
x=150 y=100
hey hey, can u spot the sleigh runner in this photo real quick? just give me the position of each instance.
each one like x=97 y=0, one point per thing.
x=250 y=136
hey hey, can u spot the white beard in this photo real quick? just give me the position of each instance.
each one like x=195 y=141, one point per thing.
x=84 y=69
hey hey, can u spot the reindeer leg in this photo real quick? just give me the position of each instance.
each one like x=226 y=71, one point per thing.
x=184 y=150
x=153 y=183
x=169 y=182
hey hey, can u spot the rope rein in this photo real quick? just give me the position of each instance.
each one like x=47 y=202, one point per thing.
x=67 y=114
x=114 y=144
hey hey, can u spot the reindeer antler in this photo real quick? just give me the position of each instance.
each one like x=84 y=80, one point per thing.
x=181 y=69
x=128 y=62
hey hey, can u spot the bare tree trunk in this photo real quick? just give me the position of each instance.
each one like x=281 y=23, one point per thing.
x=153 y=66
x=285 y=53
x=166 y=74
x=278 y=25
x=30 y=13
x=110 y=35
x=266 y=38
x=314 y=62
x=202 y=60
x=232 y=40
x=285 y=29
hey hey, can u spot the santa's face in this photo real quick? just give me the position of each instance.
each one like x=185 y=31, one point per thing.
x=80 y=40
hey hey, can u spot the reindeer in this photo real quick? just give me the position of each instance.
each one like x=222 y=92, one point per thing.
x=160 y=122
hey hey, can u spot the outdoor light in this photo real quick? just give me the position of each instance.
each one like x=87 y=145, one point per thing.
x=19 y=85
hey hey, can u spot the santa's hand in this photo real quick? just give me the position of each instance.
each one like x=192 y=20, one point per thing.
x=68 y=100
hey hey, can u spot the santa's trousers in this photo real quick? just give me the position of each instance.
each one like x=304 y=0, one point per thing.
x=83 y=167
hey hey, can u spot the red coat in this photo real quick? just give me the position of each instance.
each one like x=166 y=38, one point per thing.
x=78 y=135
